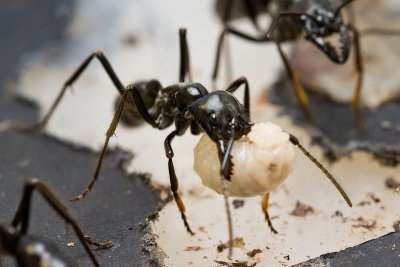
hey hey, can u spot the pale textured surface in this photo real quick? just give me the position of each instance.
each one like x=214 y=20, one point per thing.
x=84 y=116
x=262 y=160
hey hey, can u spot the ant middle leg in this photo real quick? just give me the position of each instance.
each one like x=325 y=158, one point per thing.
x=264 y=206
x=21 y=217
x=185 y=74
x=235 y=85
x=75 y=75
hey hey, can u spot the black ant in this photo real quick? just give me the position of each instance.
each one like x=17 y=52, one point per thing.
x=30 y=250
x=187 y=105
x=309 y=19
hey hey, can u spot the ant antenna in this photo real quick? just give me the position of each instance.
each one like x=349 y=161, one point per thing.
x=296 y=142
x=341 y=6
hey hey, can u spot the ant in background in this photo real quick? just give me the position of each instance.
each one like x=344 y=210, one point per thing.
x=186 y=105
x=312 y=20
x=29 y=250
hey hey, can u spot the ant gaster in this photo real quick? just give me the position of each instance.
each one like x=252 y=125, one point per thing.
x=30 y=250
x=312 y=20
x=188 y=105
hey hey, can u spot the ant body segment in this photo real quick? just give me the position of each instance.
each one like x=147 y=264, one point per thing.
x=30 y=250
x=315 y=21
x=186 y=105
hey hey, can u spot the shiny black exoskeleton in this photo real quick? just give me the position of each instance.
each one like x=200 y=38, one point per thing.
x=187 y=105
x=31 y=251
x=313 y=20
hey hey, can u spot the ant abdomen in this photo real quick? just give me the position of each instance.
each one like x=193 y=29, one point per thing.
x=149 y=91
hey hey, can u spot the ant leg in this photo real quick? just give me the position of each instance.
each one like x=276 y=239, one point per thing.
x=75 y=75
x=185 y=74
x=22 y=214
x=296 y=142
x=174 y=180
x=109 y=134
x=264 y=206
x=235 y=85
x=298 y=88
x=358 y=64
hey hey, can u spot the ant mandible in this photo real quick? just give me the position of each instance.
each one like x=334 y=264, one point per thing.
x=32 y=251
x=188 y=105
x=314 y=21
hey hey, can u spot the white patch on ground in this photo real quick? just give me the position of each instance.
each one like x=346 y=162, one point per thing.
x=84 y=116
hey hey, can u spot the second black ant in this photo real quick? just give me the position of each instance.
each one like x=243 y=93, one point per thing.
x=313 y=20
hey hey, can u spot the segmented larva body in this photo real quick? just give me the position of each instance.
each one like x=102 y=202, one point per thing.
x=262 y=161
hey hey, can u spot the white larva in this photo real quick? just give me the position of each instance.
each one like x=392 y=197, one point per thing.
x=262 y=161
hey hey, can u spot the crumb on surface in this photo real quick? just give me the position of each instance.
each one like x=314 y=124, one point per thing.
x=302 y=210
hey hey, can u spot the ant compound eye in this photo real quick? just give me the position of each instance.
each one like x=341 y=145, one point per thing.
x=213 y=118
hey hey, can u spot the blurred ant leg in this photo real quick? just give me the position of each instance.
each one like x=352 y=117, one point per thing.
x=75 y=75
x=358 y=65
x=185 y=74
x=109 y=134
x=296 y=142
x=174 y=180
x=235 y=85
x=298 y=88
x=264 y=206
x=23 y=212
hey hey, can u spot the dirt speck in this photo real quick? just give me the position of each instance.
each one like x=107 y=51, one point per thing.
x=237 y=242
x=238 y=203
x=367 y=224
x=302 y=210
x=193 y=248
x=71 y=244
x=392 y=183
x=254 y=252
x=396 y=225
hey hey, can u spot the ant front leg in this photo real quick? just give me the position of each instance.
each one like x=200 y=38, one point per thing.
x=264 y=206
x=75 y=75
x=174 y=180
x=22 y=215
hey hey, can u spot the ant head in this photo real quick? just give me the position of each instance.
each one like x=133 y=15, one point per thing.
x=7 y=237
x=221 y=116
x=322 y=23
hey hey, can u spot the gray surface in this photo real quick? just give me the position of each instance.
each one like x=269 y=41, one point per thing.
x=117 y=207
x=383 y=251
x=335 y=129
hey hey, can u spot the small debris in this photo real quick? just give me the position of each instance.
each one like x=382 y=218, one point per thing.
x=302 y=210
x=193 y=248
x=364 y=203
x=391 y=183
x=201 y=229
x=374 y=198
x=396 y=225
x=235 y=264
x=237 y=242
x=238 y=203
x=71 y=244
x=393 y=247
x=254 y=252
x=130 y=40
x=287 y=257
x=361 y=222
